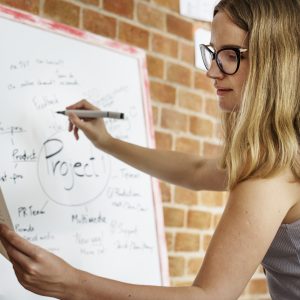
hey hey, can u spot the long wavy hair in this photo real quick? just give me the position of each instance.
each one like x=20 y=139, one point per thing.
x=262 y=138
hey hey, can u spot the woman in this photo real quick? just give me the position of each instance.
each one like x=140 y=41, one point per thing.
x=253 y=59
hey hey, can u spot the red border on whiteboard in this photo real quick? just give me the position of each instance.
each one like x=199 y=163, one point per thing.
x=139 y=54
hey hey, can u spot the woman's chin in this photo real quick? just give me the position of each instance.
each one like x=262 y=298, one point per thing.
x=227 y=105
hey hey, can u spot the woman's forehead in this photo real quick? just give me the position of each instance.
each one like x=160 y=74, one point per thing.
x=225 y=32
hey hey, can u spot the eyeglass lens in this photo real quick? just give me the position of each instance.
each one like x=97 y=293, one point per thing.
x=227 y=59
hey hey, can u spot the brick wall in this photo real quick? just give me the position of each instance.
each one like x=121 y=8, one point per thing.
x=184 y=106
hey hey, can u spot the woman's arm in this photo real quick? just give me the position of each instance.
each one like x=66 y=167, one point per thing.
x=190 y=171
x=43 y=273
x=252 y=216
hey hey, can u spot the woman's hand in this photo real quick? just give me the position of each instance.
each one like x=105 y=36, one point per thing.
x=94 y=129
x=37 y=270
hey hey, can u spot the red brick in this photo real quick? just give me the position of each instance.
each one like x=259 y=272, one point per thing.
x=176 y=266
x=187 y=53
x=123 y=8
x=206 y=241
x=212 y=199
x=164 y=45
x=155 y=66
x=187 y=242
x=174 y=120
x=155 y=115
x=165 y=190
x=257 y=286
x=162 y=92
x=181 y=283
x=134 y=35
x=202 y=25
x=194 y=265
x=185 y=196
x=201 y=126
x=187 y=145
x=212 y=150
x=163 y=140
x=170 y=4
x=31 y=6
x=204 y=83
x=62 y=11
x=99 y=24
x=180 y=27
x=170 y=241
x=150 y=16
x=173 y=217
x=199 y=219
x=212 y=108
x=216 y=220
x=179 y=74
x=190 y=100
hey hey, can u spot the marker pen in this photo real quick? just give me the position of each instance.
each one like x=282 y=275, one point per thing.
x=93 y=114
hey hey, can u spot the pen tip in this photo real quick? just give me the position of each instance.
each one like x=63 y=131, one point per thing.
x=60 y=112
x=122 y=116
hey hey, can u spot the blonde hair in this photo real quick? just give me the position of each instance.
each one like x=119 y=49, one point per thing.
x=262 y=138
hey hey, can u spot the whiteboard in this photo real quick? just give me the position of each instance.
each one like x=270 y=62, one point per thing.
x=97 y=213
x=198 y=9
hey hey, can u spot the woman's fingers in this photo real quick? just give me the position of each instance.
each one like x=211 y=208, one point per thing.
x=93 y=128
x=76 y=134
x=16 y=256
x=13 y=241
x=70 y=126
x=24 y=255
x=77 y=124
x=82 y=104
x=36 y=269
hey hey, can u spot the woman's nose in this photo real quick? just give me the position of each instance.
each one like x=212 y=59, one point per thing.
x=214 y=71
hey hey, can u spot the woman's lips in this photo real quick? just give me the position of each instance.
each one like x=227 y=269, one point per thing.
x=222 y=92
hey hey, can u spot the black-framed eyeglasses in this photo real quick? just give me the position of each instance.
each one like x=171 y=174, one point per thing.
x=228 y=59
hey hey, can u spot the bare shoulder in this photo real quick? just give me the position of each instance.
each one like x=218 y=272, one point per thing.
x=254 y=211
x=281 y=191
